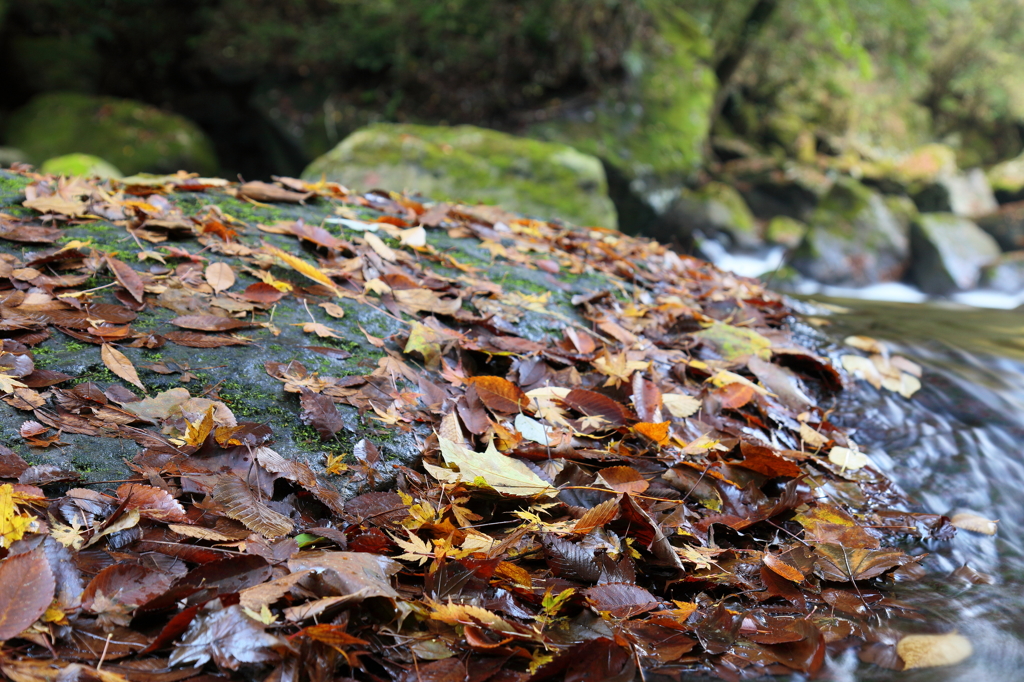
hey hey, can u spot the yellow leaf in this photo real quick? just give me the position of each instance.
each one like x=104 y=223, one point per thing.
x=9 y=383
x=974 y=523
x=845 y=457
x=302 y=267
x=378 y=245
x=416 y=549
x=416 y=237
x=335 y=465
x=197 y=431
x=13 y=523
x=118 y=363
x=504 y=474
x=680 y=406
x=618 y=368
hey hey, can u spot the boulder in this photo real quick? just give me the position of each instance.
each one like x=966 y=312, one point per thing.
x=133 y=136
x=949 y=252
x=650 y=131
x=793 y=190
x=853 y=239
x=966 y=194
x=80 y=164
x=785 y=231
x=715 y=210
x=1007 y=179
x=1005 y=273
x=1006 y=225
x=475 y=165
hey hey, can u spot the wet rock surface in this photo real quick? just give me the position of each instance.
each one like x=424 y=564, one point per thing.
x=949 y=252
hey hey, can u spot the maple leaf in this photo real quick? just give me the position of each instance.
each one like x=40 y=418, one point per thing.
x=335 y=465
x=618 y=368
x=700 y=557
x=69 y=536
x=13 y=523
x=416 y=549
x=504 y=474
x=9 y=383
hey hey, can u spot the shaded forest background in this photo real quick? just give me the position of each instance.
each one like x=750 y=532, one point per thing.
x=275 y=84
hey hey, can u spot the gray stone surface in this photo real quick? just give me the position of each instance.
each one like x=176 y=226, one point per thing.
x=949 y=252
x=853 y=239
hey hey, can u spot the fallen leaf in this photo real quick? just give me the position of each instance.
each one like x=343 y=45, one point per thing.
x=118 y=363
x=847 y=458
x=680 y=406
x=931 y=651
x=220 y=276
x=500 y=395
x=504 y=474
x=242 y=505
x=974 y=523
x=27 y=588
x=126 y=277
x=302 y=267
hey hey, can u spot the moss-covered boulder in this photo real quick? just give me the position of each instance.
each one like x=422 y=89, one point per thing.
x=133 y=136
x=715 y=210
x=474 y=164
x=85 y=165
x=536 y=302
x=949 y=252
x=966 y=194
x=652 y=129
x=785 y=231
x=1007 y=179
x=853 y=239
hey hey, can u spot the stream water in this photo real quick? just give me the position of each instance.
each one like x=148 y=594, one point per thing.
x=958 y=444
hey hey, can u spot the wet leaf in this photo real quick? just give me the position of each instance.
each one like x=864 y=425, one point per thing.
x=836 y=562
x=654 y=432
x=118 y=363
x=152 y=503
x=320 y=412
x=195 y=340
x=592 y=404
x=847 y=458
x=624 y=479
x=209 y=323
x=242 y=505
x=620 y=600
x=932 y=651
x=974 y=523
x=735 y=344
x=228 y=637
x=782 y=568
x=27 y=588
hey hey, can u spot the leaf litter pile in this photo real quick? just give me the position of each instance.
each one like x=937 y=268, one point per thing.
x=656 y=489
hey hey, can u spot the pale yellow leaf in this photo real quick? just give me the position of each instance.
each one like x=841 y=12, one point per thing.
x=845 y=457
x=220 y=276
x=931 y=651
x=974 y=523
x=680 y=406
x=333 y=309
x=504 y=474
x=378 y=245
x=415 y=237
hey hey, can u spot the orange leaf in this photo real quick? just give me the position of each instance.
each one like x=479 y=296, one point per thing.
x=735 y=396
x=126 y=277
x=500 y=395
x=658 y=432
x=597 y=517
x=302 y=267
x=782 y=568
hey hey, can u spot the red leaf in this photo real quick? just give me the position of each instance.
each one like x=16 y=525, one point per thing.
x=128 y=584
x=621 y=600
x=319 y=411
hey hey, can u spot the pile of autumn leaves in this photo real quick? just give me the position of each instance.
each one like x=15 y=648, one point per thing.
x=655 y=488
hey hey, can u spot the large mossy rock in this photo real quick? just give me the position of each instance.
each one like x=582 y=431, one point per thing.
x=853 y=239
x=473 y=164
x=539 y=305
x=966 y=194
x=949 y=252
x=1006 y=226
x=715 y=210
x=652 y=130
x=133 y=136
x=85 y=165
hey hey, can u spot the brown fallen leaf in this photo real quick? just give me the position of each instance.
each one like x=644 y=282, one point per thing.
x=220 y=276
x=242 y=505
x=26 y=591
x=264 y=191
x=118 y=363
x=501 y=395
x=126 y=277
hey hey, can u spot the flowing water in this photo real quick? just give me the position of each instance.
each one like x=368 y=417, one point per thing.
x=958 y=444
